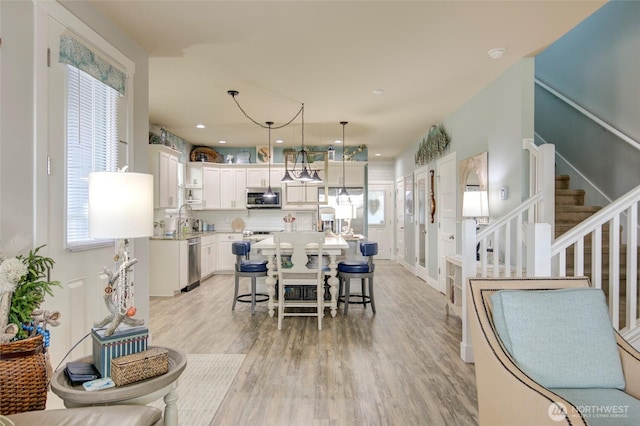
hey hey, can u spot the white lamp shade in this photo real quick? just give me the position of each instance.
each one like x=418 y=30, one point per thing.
x=344 y=211
x=475 y=204
x=120 y=205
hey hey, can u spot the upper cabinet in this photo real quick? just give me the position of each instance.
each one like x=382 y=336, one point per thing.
x=211 y=186
x=164 y=166
x=233 y=188
x=298 y=196
x=258 y=177
x=354 y=172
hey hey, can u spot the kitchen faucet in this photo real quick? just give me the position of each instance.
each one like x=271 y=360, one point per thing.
x=180 y=218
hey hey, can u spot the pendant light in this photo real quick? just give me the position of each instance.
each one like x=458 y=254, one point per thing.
x=343 y=191
x=306 y=172
x=269 y=193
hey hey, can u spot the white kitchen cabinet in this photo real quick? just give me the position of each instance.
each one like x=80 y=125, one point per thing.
x=354 y=172
x=193 y=186
x=258 y=177
x=203 y=181
x=233 y=188
x=226 y=259
x=211 y=188
x=296 y=193
x=169 y=269
x=164 y=166
x=208 y=257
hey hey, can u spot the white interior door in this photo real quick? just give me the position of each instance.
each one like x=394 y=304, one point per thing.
x=80 y=298
x=400 y=220
x=446 y=212
x=380 y=220
x=421 y=224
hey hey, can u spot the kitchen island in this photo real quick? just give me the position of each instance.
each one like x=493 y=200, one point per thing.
x=333 y=246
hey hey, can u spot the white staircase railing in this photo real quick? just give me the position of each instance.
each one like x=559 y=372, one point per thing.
x=507 y=239
x=509 y=234
x=620 y=220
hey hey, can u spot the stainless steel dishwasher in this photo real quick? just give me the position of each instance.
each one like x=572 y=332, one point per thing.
x=193 y=276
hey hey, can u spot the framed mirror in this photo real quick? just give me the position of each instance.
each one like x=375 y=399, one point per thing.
x=472 y=175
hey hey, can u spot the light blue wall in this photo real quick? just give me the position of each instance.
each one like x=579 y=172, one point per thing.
x=494 y=120
x=597 y=65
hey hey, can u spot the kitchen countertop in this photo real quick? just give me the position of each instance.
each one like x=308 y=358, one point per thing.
x=191 y=235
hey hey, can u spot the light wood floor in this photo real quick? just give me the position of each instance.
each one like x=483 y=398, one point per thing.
x=400 y=366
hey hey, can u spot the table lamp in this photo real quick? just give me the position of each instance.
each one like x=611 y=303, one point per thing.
x=344 y=212
x=120 y=207
x=475 y=204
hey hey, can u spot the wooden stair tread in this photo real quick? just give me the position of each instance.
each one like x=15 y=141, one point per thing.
x=563 y=191
x=562 y=182
x=579 y=209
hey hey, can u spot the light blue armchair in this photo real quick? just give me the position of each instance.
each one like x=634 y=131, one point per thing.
x=546 y=354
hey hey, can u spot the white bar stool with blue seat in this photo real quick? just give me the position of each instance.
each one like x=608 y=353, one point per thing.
x=245 y=267
x=361 y=269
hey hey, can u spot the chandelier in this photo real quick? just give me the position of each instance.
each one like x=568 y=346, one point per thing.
x=301 y=169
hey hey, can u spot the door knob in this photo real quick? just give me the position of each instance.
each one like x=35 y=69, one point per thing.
x=451 y=237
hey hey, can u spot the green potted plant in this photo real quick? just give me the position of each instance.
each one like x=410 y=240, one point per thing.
x=31 y=287
x=24 y=337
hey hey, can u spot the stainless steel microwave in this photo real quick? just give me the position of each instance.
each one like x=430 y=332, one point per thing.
x=257 y=200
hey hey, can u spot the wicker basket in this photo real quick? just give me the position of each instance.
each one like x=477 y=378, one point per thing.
x=139 y=366
x=23 y=376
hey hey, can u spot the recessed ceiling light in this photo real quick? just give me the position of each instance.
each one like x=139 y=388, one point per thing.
x=377 y=91
x=338 y=141
x=496 y=53
x=279 y=141
x=377 y=154
x=222 y=141
x=200 y=126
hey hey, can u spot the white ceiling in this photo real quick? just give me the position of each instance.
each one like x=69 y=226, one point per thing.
x=429 y=57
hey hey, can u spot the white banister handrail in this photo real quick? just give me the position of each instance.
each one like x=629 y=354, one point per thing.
x=590 y=115
x=603 y=216
x=526 y=205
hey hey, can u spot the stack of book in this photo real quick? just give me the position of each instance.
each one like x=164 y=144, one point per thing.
x=80 y=372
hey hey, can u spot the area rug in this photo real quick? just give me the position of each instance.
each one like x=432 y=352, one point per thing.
x=202 y=387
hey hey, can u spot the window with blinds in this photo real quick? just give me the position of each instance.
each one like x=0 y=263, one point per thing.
x=92 y=146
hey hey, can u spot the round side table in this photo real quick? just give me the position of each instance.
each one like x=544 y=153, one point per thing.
x=141 y=393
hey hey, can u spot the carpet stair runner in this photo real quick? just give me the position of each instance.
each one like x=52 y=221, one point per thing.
x=571 y=210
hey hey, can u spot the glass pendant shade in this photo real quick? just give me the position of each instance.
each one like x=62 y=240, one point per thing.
x=343 y=191
x=269 y=193
x=287 y=177
x=305 y=176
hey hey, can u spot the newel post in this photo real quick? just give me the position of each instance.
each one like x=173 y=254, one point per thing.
x=468 y=248
x=546 y=183
x=538 y=250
